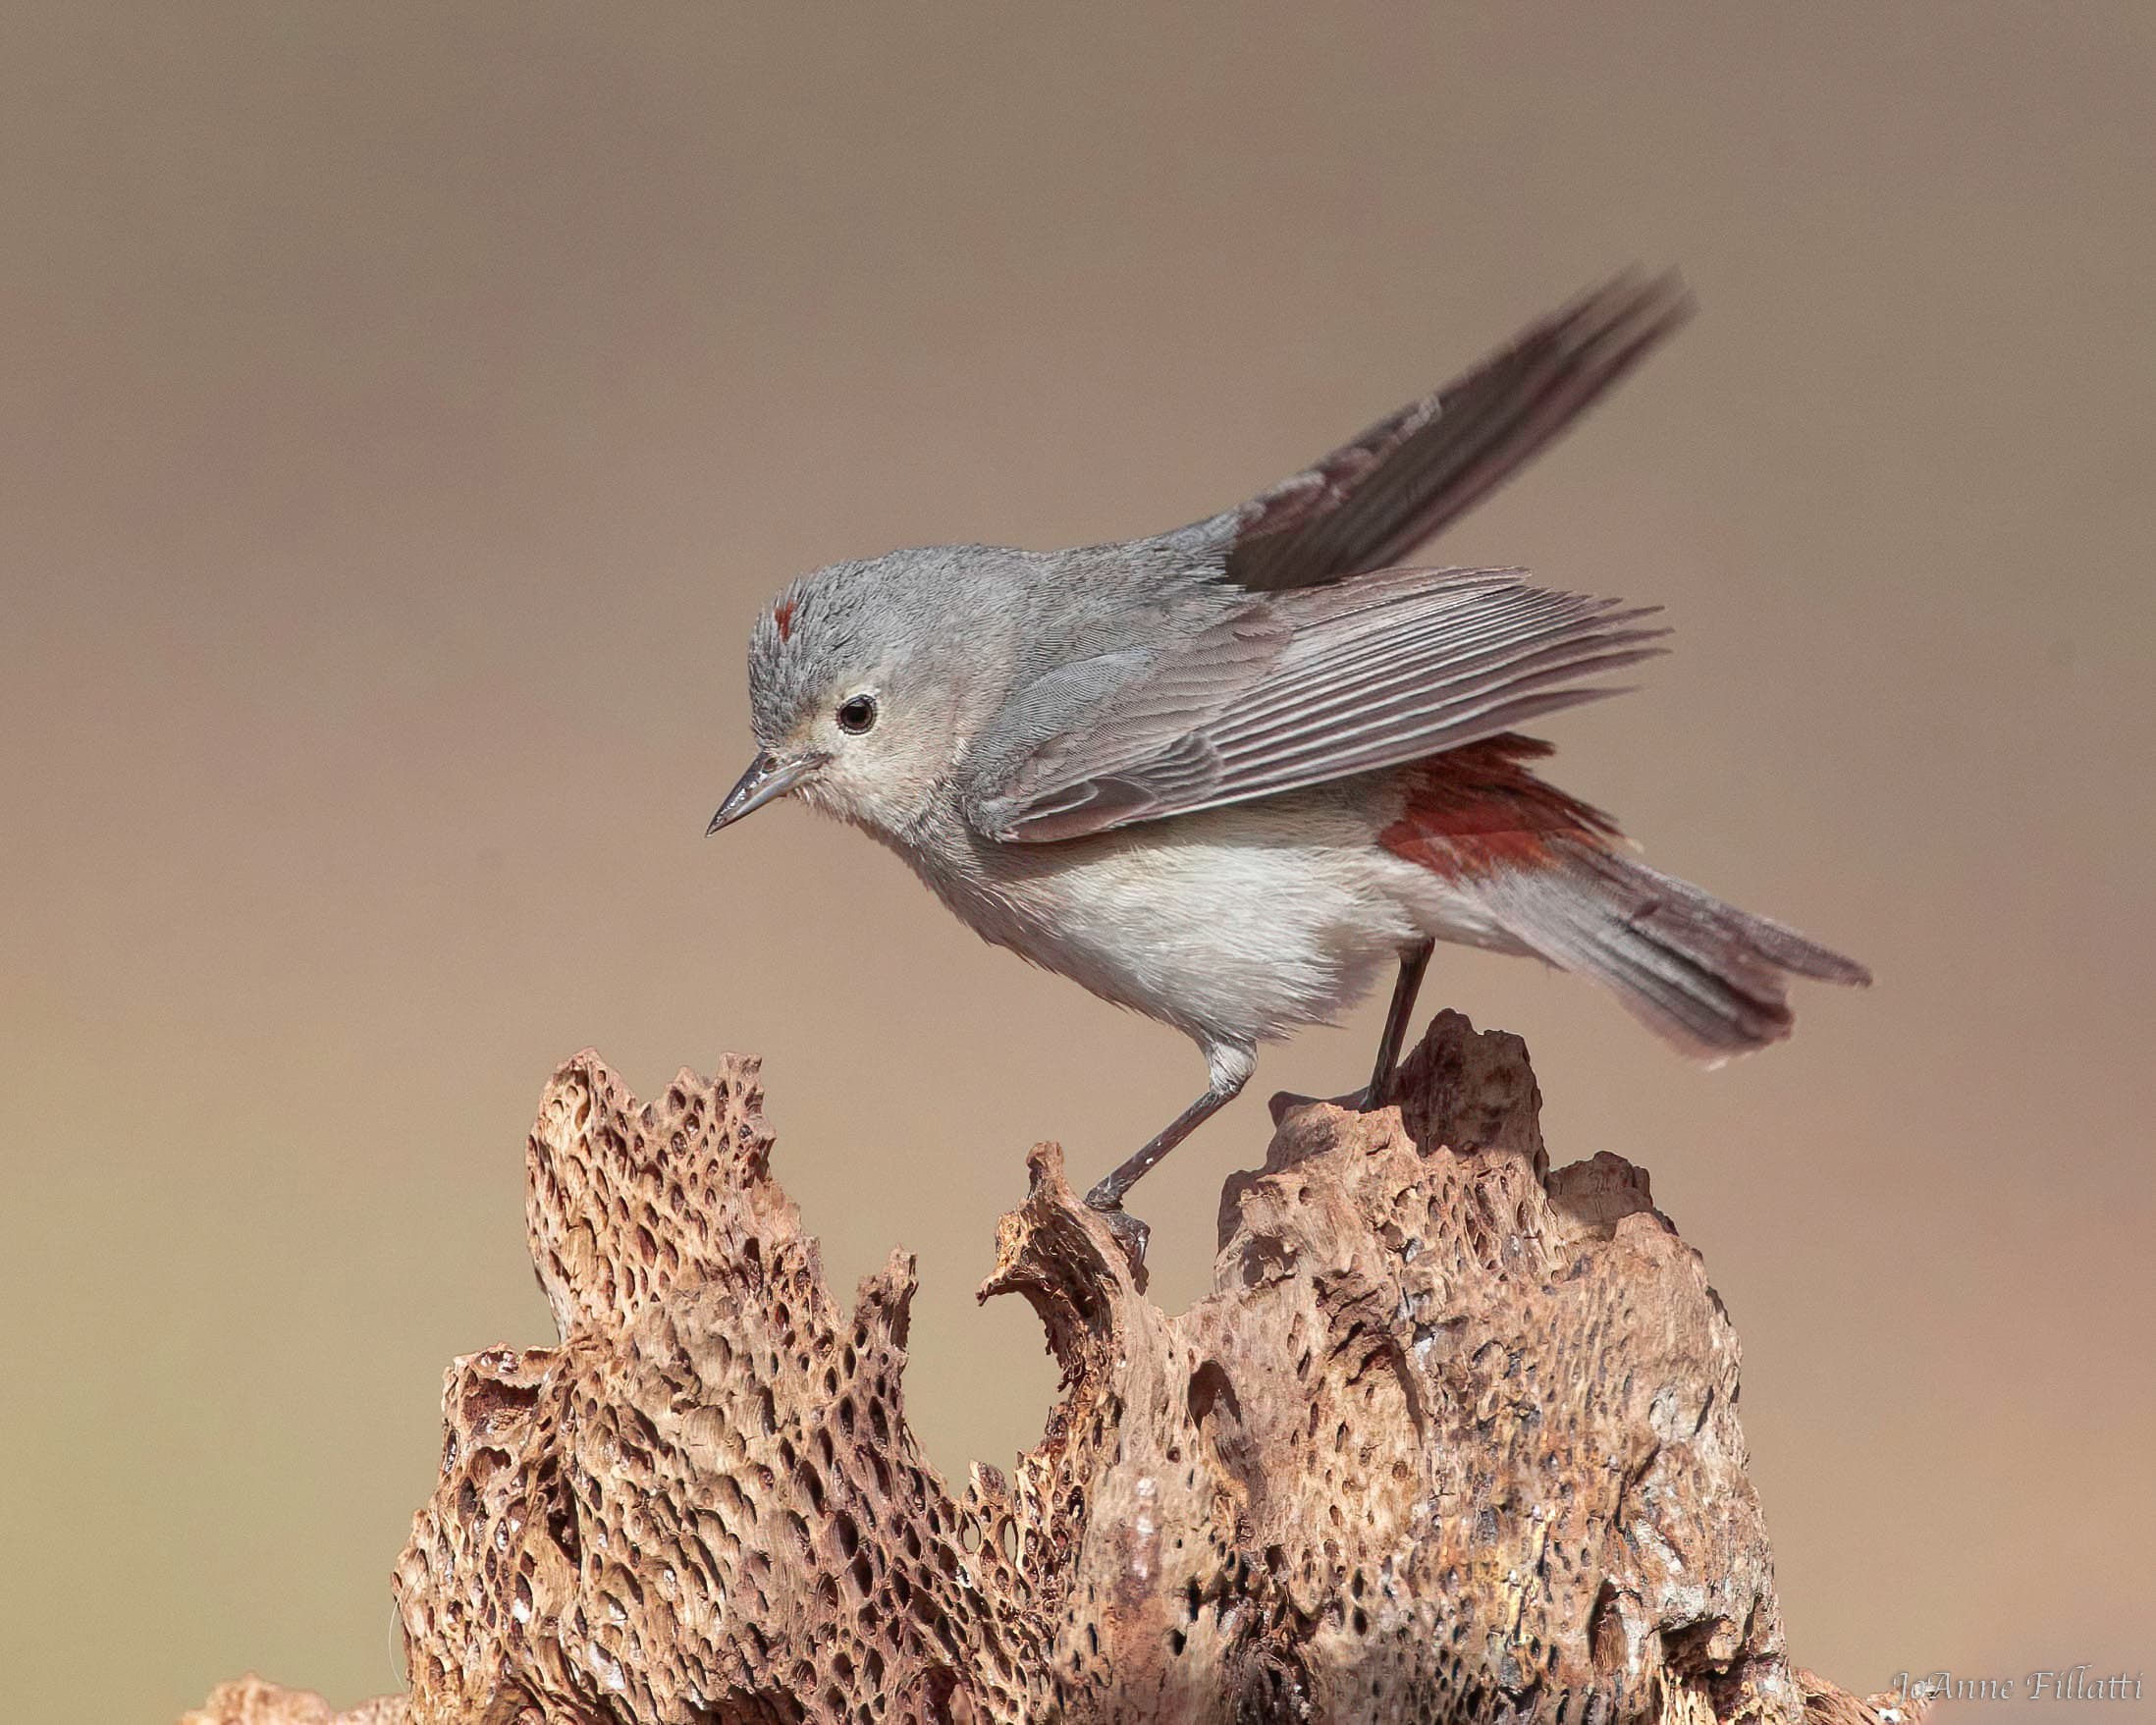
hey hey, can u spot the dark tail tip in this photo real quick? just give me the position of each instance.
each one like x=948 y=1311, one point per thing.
x=1702 y=974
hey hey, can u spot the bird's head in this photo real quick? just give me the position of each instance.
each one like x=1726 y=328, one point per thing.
x=867 y=683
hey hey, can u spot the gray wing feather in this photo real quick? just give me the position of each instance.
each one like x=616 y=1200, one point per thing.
x=1058 y=739
x=1319 y=685
x=1371 y=502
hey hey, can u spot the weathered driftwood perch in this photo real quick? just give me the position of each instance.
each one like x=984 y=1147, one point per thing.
x=1454 y=1437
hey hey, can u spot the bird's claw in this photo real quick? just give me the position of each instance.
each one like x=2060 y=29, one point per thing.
x=1131 y=1234
x=1356 y=1102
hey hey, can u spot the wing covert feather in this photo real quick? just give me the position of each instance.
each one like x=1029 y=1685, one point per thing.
x=1316 y=684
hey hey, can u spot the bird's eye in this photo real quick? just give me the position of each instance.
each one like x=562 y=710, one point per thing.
x=857 y=714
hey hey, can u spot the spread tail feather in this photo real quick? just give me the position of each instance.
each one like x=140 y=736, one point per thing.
x=1709 y=977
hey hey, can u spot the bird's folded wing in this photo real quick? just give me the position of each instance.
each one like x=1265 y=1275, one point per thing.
x=1373 y=501
x=1313 y=685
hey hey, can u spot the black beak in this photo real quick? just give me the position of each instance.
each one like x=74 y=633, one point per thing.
x=766 y=780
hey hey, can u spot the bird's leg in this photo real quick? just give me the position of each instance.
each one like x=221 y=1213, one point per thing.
x=1109 y=1194
x=1229 y=1069
x=1414 y=960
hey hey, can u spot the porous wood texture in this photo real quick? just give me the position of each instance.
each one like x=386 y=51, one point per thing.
x=1453 y=1438
x=252 y=1701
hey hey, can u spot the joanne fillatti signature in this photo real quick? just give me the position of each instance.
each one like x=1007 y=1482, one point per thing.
x=2070 y=1683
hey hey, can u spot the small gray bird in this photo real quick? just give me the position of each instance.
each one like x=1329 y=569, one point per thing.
x=1225 y=775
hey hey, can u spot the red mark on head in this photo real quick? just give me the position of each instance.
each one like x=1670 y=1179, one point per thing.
x=1476 y=810
x=781 y=614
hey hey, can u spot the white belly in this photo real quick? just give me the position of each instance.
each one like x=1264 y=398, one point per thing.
x=1236 y=926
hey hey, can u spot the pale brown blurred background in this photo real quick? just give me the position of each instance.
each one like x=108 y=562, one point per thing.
x=405 y=407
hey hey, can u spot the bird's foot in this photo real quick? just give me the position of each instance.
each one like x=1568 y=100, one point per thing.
x=1356 y=1102
x=1131 y=1234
